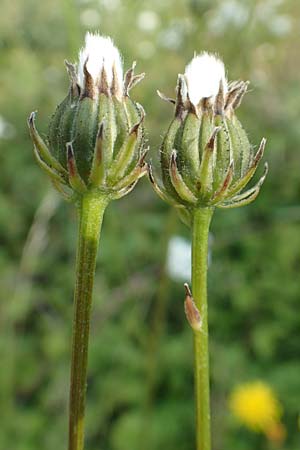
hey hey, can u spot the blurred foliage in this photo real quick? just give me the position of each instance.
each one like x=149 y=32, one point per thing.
x=140 y=388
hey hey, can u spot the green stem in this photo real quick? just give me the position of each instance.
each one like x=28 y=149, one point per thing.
x=200 y=230
x=91 y=212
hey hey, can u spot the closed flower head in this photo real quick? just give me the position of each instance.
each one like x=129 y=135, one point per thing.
x=95 y=138
x=206 y=157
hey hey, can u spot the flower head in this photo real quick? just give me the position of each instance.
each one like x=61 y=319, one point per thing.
x=206 y=157
x=255 y=405
x=95 y=138
x=203 y=76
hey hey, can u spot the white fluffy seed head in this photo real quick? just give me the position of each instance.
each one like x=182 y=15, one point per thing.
x=203 y=75
x=98 y=52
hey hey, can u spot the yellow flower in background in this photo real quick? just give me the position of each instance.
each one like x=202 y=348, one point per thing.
x=256 y=406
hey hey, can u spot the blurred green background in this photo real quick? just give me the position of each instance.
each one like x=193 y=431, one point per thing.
x=140 y=386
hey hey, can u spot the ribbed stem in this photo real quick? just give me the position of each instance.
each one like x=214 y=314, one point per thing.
x=200 y=230
x=91 y=212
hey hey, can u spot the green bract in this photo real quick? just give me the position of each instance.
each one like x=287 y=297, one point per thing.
x=95 y=138
x=206 y=158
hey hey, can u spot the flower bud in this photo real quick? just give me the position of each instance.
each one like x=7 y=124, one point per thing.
x=96 y=137
x=206 y=158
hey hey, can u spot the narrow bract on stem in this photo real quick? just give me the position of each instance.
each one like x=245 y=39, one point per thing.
x=94 y=153
x=206 y=161
x=191 y=311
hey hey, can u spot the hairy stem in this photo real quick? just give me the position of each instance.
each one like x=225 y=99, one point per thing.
x=200 y=230
x=91 y=212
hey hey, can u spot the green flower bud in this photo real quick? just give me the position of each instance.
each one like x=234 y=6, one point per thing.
x=96 y=136
x=206 y=157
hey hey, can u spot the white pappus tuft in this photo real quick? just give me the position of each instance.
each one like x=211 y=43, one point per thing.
x=203 y=75
x=98 y=52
